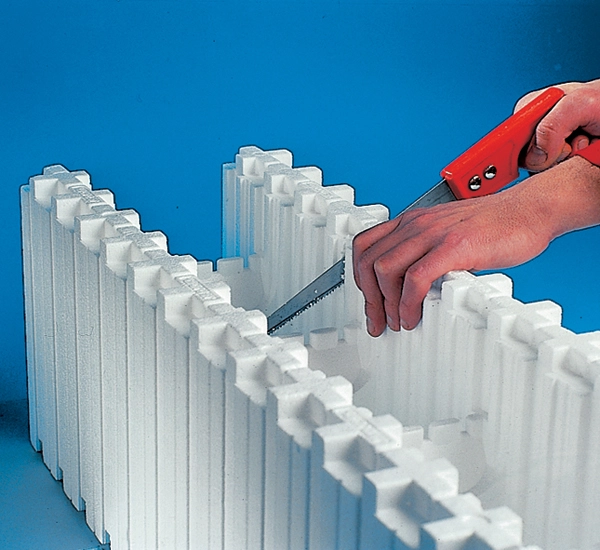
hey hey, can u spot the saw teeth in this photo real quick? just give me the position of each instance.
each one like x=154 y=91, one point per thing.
x=307 y=306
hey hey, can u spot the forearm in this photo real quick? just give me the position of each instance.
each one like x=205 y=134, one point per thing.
x=563 y=198
x=396 y=262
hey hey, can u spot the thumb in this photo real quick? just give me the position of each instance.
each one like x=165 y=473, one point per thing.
x=540 y=158
x=550 y=143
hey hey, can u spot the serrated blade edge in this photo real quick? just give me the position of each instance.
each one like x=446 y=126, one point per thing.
x=323 y=285
x=333 y=278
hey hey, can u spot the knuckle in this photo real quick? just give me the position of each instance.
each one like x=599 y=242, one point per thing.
x=546 y=130
x=456 y=241
x=418 y=280
x=358 y=242
x=422 y=217
x=414 y=275
x=382 y=266
x=364 y=263
x=407 y=305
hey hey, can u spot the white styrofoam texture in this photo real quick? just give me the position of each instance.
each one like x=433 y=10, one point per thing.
x=171 y=416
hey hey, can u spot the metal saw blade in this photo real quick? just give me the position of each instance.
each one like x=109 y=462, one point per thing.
x=333 y=278
x=308 y=296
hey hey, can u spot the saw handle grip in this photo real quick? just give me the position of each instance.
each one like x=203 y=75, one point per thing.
x=493 y=161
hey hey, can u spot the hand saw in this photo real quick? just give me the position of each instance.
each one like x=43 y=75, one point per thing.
x=484 y=168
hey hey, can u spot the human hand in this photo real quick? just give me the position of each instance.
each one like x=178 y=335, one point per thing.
x=396 y=262
x=571 y=125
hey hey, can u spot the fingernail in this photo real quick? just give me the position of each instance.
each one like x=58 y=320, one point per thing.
x=392 y=324
x=536 y=156
x=370 y=327
x=405 y=325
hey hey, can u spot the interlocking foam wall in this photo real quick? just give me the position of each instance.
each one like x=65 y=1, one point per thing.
x=176 y=422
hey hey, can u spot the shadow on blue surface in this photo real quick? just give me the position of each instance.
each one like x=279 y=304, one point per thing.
x=36 y=514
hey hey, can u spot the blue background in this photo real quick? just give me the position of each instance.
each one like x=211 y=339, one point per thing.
x=151 y=97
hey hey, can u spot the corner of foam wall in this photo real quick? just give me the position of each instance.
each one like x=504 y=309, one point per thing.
x=176 y=422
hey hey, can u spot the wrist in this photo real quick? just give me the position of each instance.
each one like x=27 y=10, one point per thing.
x=566 y=196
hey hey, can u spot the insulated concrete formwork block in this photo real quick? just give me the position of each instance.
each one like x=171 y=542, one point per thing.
x=252 y=160
x=42 y=365
x=342 y=453
x=41 y=370
x=362 y=218
x=250 y=371
x=130 y=245
x=229 y=245
x=290 y=211
x=320 y=239
x=307 y=256
x=68 y=210
x=243 y=198
x=89 y=229
x=176 y=307
x=565 y=476
x=397 y=500
x=309 y=219
x=583 y=364
x=401 y=366
x=511 y=397
x=591 y=475
x=205 y=507
x=466 y=304
x=416 y=505
x=287 y=459
x=98 y=379
x=471 y=334
x=293 y=412
x=486 y=294
x=205 y=290
x=212 y=336
x=279 y=228
x=87 y=217
x=241 y=327
x=244 y=516
x=144 y=279
x=30 y=328
x=67 y=402
x=493 y=531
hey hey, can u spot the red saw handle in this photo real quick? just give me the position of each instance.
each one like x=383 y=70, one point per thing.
x=493 y=161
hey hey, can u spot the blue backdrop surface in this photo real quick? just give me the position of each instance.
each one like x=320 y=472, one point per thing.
x=151 y=97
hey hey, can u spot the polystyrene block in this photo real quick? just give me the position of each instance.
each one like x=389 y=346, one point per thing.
x=176 y=422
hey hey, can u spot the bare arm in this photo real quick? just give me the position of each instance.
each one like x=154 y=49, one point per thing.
x=396 y=262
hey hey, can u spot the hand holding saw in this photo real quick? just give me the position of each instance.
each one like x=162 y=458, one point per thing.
x=483 y=169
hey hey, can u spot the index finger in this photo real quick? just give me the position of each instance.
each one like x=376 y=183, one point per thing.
x=566 y=87
x=364 y=240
